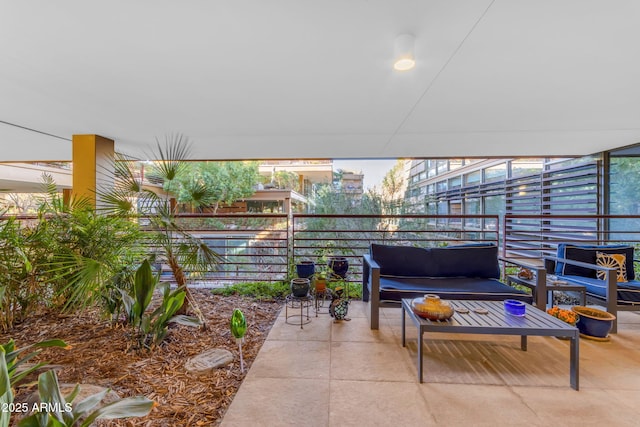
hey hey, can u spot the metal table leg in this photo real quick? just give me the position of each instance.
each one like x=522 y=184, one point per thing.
x=575 y=360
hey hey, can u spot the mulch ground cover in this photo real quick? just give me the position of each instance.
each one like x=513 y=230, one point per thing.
x=102 y=355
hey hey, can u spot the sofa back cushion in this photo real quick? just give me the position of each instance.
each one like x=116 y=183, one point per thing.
x=587 y=253
x=473 y=260
x=401 y=260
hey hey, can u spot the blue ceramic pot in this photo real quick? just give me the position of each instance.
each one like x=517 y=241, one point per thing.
x=593 y=322
x=305 y=269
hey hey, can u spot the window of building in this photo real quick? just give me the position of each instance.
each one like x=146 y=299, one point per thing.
x=472 y=206
x=443 y=207
x=431 y=208
x=495 y=173
x=472 y=178
x=525 y=167
x=493 y=205
x=442 y=166
x=455 y=207
x=431 y=168
x=455 y=164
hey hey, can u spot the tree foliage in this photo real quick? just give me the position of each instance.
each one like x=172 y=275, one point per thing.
x=625 y=182
x=210 y=184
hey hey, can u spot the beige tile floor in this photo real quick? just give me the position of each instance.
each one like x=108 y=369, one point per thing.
x=344 y=374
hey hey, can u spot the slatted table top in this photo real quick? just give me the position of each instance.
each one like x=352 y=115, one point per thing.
x=496 y=321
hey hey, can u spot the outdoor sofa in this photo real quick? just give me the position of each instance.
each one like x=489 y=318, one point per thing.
x=602 y=276
x=468 y=272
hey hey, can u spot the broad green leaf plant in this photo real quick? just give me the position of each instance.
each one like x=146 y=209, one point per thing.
x=63 y=411
x=151 y=327
x=15 y=357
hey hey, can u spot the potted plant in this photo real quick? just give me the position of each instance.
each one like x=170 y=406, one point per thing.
x=305 y=269
x=320 y=281
x=567 y=316
x=339 y=266
x=593 y=323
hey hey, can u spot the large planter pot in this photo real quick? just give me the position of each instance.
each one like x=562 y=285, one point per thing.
x=339 y=266
x=300 y=287
x=305 y=269
x=593 y=322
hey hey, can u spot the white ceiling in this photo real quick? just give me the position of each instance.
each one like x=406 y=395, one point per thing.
x=256 y=79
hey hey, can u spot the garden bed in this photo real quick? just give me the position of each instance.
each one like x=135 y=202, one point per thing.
x=101 y=355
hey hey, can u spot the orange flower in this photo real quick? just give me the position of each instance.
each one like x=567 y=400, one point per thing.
x=566 y=316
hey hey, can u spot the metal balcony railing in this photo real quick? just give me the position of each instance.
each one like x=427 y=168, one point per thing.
x=266 y=247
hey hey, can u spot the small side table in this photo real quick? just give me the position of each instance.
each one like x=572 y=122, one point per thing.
x=552 y=286
x=295 y=303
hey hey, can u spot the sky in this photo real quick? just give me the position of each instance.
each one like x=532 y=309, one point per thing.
x=374 y=170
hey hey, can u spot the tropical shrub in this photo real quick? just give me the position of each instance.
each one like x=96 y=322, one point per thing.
x=67 y=258
x=6 y=393
x=185 y=254
x=54 y=409
x=258 y=290
x=18 y=287
x=15 y=357
x=90 y=251
x=151 y=327
x=58 y=410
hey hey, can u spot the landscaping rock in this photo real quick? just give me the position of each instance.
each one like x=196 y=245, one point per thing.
x=208 y=360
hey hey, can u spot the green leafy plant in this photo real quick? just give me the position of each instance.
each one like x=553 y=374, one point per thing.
x=14 y=358
x=151 y=327
x=6 y=394
x=350 y=289
x=186 y=255
x=257 y=290
x=59 y=410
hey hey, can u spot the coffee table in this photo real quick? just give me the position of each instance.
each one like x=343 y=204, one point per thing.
x=495 y=322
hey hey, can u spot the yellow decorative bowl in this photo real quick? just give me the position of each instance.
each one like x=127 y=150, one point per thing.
x=432 y=307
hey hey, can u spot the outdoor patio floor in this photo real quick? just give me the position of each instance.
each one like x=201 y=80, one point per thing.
x=344 y=374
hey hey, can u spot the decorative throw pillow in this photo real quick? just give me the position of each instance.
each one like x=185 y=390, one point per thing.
x=617 y=261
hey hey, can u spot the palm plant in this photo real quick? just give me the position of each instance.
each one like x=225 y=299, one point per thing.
x=87 y=250
x=185 y=254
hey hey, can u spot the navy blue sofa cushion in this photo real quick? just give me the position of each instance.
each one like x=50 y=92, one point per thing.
x=400 y=260
x=587 y=254
x=479 y=261
x=396 y=288
x=628 y=292
x=475 y=260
